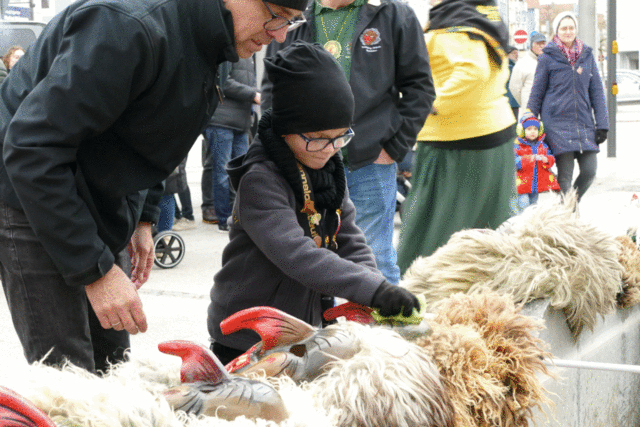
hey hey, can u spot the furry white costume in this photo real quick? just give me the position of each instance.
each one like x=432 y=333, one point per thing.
x=546 y=252
x=478 y=365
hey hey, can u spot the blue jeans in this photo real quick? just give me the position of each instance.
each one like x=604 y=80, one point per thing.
x=47 y=313
x=225 y=144
x=167 y=212
x=525 y=200
x=373 y=191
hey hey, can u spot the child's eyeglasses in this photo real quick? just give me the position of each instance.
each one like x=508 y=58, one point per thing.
x=319 y=144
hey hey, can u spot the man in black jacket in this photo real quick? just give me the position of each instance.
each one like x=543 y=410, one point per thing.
x=103 y=106
x=380 y=46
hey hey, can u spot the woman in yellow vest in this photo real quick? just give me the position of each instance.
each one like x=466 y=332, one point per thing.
x=464 y=174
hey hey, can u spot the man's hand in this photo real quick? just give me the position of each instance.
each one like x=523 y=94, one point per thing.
x=116 y=303
x=141 y=252
x=384 y=158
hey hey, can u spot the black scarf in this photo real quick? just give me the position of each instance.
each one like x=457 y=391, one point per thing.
x=328 y=184
x=468 y=13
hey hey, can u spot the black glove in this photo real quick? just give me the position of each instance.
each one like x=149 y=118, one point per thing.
x=601 y=136
x=390 y=299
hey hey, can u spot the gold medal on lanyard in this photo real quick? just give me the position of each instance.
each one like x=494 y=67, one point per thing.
x=333 y=46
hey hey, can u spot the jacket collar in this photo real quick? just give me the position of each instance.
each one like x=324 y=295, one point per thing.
x=556 y=54
x=212 y=25
x=367 y=12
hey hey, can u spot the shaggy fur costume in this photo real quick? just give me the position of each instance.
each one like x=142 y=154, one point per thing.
x=476 y=368
x=390 y=382
x=546 y=252
x=131 y=396
x=489 y=359
x=630 y=260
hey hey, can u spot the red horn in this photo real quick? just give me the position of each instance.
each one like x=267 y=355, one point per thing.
x=198 y=362
x=17 y=411
x=274 y=326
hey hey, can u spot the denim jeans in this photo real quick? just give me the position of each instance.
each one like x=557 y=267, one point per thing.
x=206 y=186
x=525 y=200
x=373 y=191
x=225 y=144
x=47 y=313
x=167 y=212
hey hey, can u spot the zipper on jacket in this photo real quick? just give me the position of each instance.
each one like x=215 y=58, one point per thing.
x=575 y=102
x=205 y=87
x=217 y=83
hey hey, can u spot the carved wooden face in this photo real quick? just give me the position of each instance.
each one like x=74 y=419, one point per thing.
x=208 y=389
x=289 y=346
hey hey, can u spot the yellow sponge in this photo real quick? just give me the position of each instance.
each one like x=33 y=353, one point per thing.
x=415 y=319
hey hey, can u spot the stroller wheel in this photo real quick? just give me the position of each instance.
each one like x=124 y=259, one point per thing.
x=169 y=249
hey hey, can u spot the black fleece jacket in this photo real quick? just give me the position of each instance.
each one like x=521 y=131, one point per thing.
x=103 y=106
x=390 y=79
x=270 y=261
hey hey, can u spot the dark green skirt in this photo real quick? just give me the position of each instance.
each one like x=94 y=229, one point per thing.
x=453 y=190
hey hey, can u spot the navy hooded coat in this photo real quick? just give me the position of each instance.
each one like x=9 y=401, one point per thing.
x=570 y=100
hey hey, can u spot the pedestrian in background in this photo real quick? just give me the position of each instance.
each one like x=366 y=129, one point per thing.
x=206 y=185
x=294 y=238
x=174 y=184
x=103 y=106
x=512 y=54
x=379 y=45
x=8 y=61
x=567 y=95
x=183 y=213
x=228 y=130
x=533 y=162
x=12 y=56
x=464 y=174
x=521 y=79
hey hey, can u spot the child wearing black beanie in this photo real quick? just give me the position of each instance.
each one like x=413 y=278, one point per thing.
x=293 y=239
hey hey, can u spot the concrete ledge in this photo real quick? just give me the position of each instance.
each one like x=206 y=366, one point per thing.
x=588 y=397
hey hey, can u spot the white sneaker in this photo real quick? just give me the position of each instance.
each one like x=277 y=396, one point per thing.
x=184 y=224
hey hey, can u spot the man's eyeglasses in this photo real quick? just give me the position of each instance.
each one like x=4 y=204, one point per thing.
x=319 y=144
x=276 y=22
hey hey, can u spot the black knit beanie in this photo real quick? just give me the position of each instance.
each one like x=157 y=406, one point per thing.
x=310 y=91
x=300 y=5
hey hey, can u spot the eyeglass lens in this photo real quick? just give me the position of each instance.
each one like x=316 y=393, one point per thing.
x=319 y=144
x=277 y=22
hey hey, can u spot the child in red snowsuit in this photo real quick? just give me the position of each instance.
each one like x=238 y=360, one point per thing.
x=533 y=162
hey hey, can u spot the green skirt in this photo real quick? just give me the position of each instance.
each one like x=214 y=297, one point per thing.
x=453 y=190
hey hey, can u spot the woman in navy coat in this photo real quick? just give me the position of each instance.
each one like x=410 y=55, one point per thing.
x=567 y=94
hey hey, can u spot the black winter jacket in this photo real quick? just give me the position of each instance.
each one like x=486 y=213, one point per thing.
x=238 y=92
x=389 y=58
x=104 y=105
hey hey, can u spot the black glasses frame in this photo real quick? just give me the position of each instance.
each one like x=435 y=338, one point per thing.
x=296 y=22
x=348 y=135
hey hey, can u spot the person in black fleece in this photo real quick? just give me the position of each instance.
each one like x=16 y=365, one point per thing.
x=293 y=239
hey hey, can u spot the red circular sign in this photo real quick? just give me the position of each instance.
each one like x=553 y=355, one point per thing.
x=520 y=36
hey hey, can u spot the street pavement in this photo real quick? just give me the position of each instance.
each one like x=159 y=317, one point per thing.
x=175 y=300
